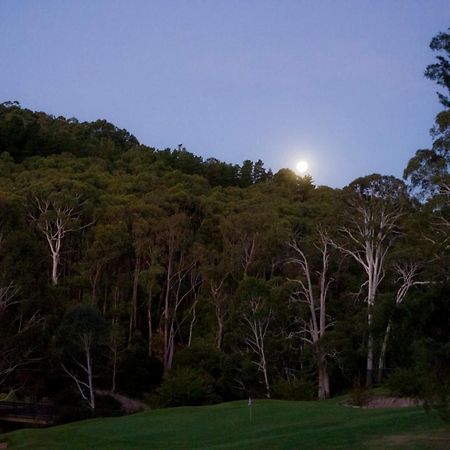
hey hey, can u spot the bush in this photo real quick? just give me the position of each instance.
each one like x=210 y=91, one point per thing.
x=224 y=369
x=404 y=383
x=138 y=373
x=106 y=405
x=359 y=395
x=202 y=356
x=72 y=413
x=294 y=389
x=187 y=387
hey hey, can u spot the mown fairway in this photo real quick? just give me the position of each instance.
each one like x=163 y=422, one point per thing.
x=274 y=425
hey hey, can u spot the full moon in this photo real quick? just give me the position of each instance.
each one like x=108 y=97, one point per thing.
x=302 y=167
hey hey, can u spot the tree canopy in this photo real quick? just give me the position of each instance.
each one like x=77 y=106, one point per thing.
x=158 y=273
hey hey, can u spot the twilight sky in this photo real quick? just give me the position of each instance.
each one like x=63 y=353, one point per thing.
x=338 y=83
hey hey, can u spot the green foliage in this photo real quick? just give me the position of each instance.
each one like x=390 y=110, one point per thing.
x=405 y=382
x=428 y=170
x=80 y=323
x=224 y=369
x=187 y=386
x=294 y=389
x=107 y=405
x=359 y=395
x=24 y=133
x=167 y=255
x=440 y=71
x=139 y=374
x=204 y=356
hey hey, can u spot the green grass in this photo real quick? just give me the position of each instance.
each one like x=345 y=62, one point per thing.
x=274 y=425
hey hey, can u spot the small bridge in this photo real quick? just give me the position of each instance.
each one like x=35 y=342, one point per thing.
x=34 y=414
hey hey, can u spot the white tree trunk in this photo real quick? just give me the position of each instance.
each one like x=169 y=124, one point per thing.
x=133 y=310
x=407 y=274
x=55 y=221
x=255 y=341
x=55 y=265
x=315 y=326
x=90 y=380
x=324 y=380
x=369 y=239
x=369 y=365
x=149 y=322
x=383 y=352
x=85 y=384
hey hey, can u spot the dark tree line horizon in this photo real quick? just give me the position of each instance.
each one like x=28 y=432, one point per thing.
x=159 y=274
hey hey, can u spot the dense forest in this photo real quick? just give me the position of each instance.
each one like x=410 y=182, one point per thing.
x=179 y=280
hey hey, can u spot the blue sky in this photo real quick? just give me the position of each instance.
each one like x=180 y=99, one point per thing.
x=337 y=83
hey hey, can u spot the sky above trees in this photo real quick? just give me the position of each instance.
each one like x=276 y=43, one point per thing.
x=339 y=84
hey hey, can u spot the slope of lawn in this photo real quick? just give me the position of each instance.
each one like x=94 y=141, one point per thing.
x=272 y=425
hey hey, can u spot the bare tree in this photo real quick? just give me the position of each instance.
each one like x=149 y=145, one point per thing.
x=258 y=320
x=314 y=328
x=368 y=239
x=55 y=221
x=79 y=334
x=84 y=382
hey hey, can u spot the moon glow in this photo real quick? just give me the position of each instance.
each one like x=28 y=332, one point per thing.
x=302 y=167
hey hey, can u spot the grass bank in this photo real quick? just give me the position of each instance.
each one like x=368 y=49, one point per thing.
x=272 y=425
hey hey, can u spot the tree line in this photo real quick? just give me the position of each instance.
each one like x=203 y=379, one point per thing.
x=160 y=274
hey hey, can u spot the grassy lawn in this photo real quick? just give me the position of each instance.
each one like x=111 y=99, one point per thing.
x=274 y=425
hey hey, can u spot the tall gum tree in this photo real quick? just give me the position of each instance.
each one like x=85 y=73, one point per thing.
x=369 y=233
x=55 y=220
x=257 y=316
x=428 y=170
x=406 y=279
x=78 y=337
x=312 y=288
x=175 y=241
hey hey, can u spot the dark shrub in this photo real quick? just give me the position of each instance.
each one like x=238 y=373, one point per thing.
x=138 y=373
x=359 y=395
x=106 y=405
x=404 y=383
x=294 y=389
x=185 y=386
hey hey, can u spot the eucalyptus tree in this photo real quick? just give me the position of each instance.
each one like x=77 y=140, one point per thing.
x=175 y=239
x=257 y=315
x=17 y=333
x=21 y=320
x=254 y=234
x=428 y=170
x=440 y=70
x=58 y=202
x=77 y=340
x=313 y=283
x=55 y=220
x=216 y=269
x=107 y=242
x=147 y=244
x=141 y=218
x=368 y=234
x=407 y=277
x=246 y=235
